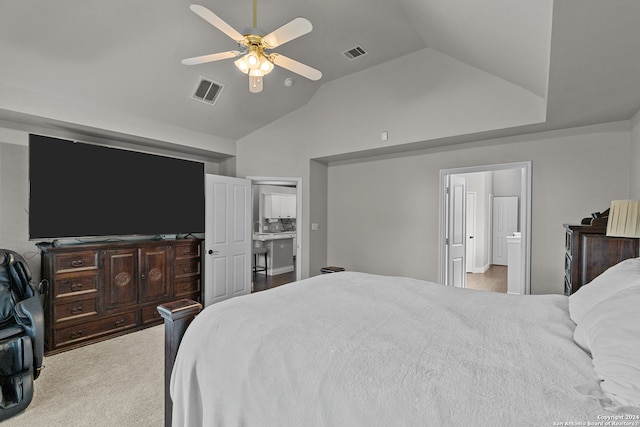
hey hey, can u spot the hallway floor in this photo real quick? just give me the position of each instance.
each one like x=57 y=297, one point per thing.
x=262 y=282
x=494 y=279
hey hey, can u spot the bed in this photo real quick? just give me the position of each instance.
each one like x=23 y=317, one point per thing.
x=355 y=349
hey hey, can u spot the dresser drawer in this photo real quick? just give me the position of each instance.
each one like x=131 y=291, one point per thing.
x=76 y=261
x=181 y=288
x=95 y=329
x=75 y=308
x=75 y=285
x=184 y=269
x=186 y=250
x=150 y=314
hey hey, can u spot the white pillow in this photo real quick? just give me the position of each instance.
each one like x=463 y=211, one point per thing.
x=610 y=331
x=616 y=278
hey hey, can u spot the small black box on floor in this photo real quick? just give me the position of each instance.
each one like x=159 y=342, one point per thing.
x=326 y=270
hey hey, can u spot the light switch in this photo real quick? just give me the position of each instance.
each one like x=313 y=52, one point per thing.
x=314 y=226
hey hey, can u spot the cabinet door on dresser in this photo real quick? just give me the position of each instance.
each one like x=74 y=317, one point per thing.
x=120 y=278
x=154 y=273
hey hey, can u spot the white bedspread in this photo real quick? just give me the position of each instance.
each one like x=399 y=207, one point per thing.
x=352 y=349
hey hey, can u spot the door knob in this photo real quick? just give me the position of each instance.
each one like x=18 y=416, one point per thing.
x=212 y=252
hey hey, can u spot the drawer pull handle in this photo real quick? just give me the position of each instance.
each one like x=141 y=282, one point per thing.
x=77 y=334
x=188 y=270
x=76 y=287
x=120 y=322
x=187 y=252
x=77 y=263
x=186 y=288
x=77 y=309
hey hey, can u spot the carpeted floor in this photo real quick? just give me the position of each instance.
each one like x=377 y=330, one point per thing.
x=118 y=382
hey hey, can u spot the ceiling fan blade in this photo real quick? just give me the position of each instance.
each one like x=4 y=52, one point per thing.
x=216 y=21
x=296 y=67
x=210 y=58
x=294 y=29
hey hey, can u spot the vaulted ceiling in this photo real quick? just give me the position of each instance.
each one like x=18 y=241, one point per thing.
x=582 y=56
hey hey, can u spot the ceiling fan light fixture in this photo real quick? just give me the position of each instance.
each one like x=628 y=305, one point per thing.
x=252 y=59
x=242 y=65
x=265 y=65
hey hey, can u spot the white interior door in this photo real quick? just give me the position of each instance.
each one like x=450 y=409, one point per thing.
x=456 y=234
x=471 y=231
x=505 y=222
x=228 y=238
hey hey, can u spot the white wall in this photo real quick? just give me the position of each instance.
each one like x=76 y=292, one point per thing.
x=383 y=213
x=318 y=215
x=634 y=157
x=14 y=198
x=279 y=150
x=348 y=114
x=92 y=117
x=507 y=183
x=399 y=235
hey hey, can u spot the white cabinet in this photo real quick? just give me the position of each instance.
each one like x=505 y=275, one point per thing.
x=279 y=206
x=515 y=282
x=288 y=205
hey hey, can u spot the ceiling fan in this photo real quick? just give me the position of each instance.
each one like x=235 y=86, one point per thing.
x=256 y=60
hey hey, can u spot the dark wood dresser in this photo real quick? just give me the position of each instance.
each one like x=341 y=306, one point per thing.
x=100 y=290
x=589 y=252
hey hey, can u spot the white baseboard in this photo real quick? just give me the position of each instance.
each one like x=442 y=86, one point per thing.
x=481 y=270
x=281 y=270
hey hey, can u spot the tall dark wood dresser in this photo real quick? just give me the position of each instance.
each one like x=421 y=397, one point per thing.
x=589 y=252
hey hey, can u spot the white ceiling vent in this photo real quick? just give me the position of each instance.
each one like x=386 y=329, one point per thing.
x=354 y=53
x=207 y=91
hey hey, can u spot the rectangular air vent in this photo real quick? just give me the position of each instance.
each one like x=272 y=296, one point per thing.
x=354 y=53
x=207 y=91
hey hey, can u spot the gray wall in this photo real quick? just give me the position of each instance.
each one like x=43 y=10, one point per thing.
x=507 y=183
x=383 y=213
x=318 y=215
x=634 y=158
x=14 y=204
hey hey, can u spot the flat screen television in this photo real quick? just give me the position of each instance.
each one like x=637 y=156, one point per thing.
x=85 y=190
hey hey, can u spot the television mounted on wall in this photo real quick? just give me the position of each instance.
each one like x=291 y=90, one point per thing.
x=86 y=190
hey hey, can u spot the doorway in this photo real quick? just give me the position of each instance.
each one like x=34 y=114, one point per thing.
x=480 y=197
x=278 y=275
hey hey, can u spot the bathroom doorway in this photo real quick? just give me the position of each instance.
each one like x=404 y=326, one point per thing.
x=489 y=223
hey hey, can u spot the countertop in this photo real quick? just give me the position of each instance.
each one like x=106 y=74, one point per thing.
x=274 y=236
